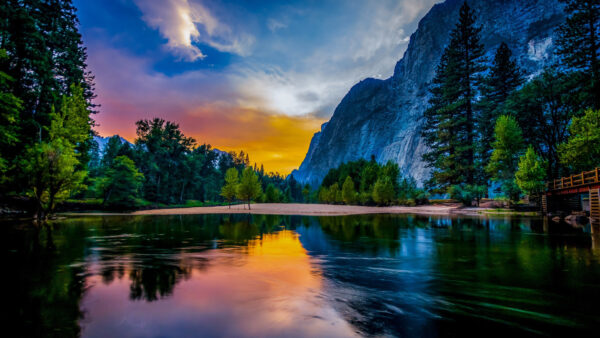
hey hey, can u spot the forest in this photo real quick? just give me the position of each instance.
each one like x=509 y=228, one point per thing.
x=47 y=152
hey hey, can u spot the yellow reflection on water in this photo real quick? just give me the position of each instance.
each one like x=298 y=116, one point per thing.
x=270 y=287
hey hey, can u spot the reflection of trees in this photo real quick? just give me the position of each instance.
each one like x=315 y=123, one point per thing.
x=155 y=279
x=42 y=289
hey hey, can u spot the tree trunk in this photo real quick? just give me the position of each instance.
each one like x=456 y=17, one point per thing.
x=249 y=205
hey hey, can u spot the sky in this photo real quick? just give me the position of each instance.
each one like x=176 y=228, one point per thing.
x=259 y=76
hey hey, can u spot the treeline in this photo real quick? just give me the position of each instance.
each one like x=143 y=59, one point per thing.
x=164 y=167
x=47 y=152
x=488 y=124
x=369 y=183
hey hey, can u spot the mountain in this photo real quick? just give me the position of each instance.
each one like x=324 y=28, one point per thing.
x=103 y=141
x=384 y=118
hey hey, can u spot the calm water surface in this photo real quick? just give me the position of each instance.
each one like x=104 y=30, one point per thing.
x=249 y=276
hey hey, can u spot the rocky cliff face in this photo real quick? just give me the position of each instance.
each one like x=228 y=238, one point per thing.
x=383 y=118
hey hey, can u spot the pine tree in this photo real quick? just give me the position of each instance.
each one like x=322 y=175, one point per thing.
x=503 y=79
x=450 y=121
x=121 y=183
x=579 y=44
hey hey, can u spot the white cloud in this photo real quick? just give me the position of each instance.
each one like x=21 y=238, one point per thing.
x=185 y=23
x=275 y=25
x=321 y=75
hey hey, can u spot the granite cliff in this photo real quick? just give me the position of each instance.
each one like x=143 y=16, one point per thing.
x=383 y=118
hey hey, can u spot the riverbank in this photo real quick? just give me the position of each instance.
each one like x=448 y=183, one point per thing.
x=308 y=210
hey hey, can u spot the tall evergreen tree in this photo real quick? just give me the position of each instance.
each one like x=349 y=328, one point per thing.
x=579 y=44
x=450 y=122
x=503 y=79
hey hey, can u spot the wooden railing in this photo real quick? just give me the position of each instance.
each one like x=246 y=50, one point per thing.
x=577 y=180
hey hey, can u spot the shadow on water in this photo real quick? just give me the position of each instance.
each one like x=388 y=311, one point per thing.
x=265 y=275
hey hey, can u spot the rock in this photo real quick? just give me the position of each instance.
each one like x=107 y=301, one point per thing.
x=384 y=118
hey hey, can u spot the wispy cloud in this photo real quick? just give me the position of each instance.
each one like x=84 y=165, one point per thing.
x=185 y=24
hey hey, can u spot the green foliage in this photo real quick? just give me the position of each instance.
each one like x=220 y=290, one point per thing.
x=543 y=108
x=582 y=150
x=508 y=146
x=365 y=172
x=249 y=187
x=531 y=175
x=230 y=188
x=51 y=168
x=121 y=183
x=503 y=79
x=410 y=194
x=51 y=174
x=273 y=194
x=578 y=44
x=450 y=121
x=383 y=191
x=466 y=194
x=348 y=191
x=10 y=107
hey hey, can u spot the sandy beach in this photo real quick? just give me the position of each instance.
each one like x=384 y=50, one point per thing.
x=305 y=209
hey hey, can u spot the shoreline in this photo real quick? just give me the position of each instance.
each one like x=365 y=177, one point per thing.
x=302 y=209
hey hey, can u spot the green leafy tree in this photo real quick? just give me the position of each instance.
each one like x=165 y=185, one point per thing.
x=272 y=194
x=230 y=188
x=52 y=168
x=348 y=191
x=544 y=108
x=249 y=187
x=10 y=108
x=383 y=191
x=508 y=147
x=531 y=174
x=579 y=43
x=503 y=79
x=582 y=150
x=121 y=183
x=334 y=193
x=450 y=121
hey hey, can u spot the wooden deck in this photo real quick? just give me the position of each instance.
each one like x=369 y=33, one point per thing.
x=577 y=183
x=585 y=182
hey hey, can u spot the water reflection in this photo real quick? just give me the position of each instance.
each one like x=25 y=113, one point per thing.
x=241 y=275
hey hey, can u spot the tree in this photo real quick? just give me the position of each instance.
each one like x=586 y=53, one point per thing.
x=162 y=148
x=348 y=191
x=121 y=183
x=249 y=187
x=582 y=150
x=507 y=149
x=579 y=42
x=383 y=191
x=306 y=193
x=503 y=79
x=544 y=108
x=10 y=108
x=450 y=121
x=272 y=194
x=52 y=168
x=530 y=175
x=229 y=190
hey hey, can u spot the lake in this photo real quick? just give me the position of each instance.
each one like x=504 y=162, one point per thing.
x=293 y=276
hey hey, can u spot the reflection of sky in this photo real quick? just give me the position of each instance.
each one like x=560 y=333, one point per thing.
x=269 y=288
x=254 y=75
x=336 y=276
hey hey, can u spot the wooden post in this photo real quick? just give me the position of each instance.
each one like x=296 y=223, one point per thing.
x=595 y=206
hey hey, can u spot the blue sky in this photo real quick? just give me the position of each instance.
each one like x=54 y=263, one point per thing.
x=254 y=75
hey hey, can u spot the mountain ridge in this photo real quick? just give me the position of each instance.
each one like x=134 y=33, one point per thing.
x=384 y=118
